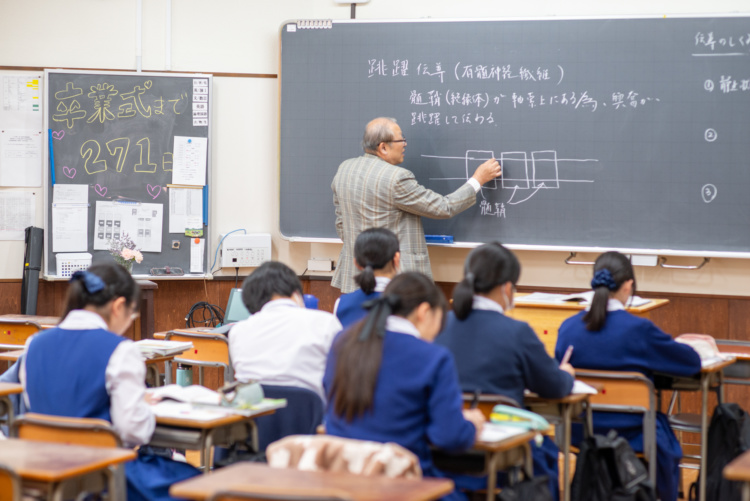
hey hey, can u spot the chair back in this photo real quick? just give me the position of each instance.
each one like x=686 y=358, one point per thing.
x=10 y=484
x=79 y=431
x=628 y=392
x=256 y=496
x=488 y=402
x=209 y=350
x=301 y=416
x=14 y=333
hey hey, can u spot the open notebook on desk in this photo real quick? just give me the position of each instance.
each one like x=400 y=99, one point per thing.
x=493 y=432
x=578 y=297
x=706 y=348
x=152 y=348
x=201 y=404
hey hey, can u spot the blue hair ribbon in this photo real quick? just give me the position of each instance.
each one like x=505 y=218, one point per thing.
x=603 y=278
x=92 y=283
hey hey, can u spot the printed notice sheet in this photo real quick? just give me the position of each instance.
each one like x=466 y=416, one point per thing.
x=17 y=211
x=70 y=217
x=189 y=160
x=141 y=222
x=197 y=250
x=185 y=209
x=20 y=157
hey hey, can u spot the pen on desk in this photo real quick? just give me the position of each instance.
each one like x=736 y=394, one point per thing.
x=475 y=399
x=568 y=353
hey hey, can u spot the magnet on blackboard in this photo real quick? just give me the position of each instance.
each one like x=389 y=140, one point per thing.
x=175 y=244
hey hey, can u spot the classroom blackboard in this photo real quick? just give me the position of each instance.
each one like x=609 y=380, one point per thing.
x=618 y=133
x=115 y=133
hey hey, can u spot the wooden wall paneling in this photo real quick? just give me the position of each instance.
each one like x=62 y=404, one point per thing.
x=321 y=289
x=739 y=319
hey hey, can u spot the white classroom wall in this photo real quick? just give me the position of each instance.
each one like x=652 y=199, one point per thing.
x=242 y=36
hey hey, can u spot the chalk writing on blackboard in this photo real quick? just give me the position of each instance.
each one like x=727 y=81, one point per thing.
x=523 y=176
x=722 y=44
x=118 y=148
x=128 y=104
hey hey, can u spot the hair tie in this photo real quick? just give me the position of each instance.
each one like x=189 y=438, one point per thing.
x=92 y=283
x=380 y=309
x=392 y=301
x=369 y=266
x=603 y=278
x=470 y=278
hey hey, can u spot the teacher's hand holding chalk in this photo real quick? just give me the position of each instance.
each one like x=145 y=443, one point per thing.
x=488 y=171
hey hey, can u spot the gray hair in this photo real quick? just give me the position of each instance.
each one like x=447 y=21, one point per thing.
x=377 y=131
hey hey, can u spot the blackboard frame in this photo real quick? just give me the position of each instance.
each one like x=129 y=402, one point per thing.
x=320 y=26
x=49 y=267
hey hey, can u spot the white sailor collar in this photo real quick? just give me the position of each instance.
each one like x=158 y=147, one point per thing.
x=79 y=320
x=401 y=325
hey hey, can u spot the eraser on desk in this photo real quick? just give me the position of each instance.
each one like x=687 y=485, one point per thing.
x=439 y=239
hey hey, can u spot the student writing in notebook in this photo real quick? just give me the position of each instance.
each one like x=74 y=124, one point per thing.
x=387 y=382
x=606 y=337
x=496 y=354
x=85 y=368
x=377 y=258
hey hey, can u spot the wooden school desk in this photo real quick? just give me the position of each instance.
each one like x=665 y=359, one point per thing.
x=6 y=407
x=564 y=409
x=739 y=471
x=201 y=434
x=262 y=479
x=545 y=318
x=44 y=321
x=710 y=376
x=52 y=465
x=504 y=454
x=739 y=372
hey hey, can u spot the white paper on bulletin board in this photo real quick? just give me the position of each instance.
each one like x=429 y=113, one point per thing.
x=17 y=211
x=20 y=157
x=21 y=128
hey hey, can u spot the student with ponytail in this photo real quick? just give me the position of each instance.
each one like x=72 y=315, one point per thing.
x=377 y=257
x=85 y=368
x=387 y=382
x=496 y=354
x=606 y=337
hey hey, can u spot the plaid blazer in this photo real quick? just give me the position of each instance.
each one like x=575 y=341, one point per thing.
x=371 y=193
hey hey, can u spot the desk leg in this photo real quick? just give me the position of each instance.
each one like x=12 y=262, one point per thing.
x=205 y=450
x=492 y=475
x=55 y=492
x=566 y=452
x=745 y=491
x=9 y=414
x=253 y=434
x=704 y=437
x=152 y=373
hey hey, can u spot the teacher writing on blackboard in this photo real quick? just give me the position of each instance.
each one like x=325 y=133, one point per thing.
x=372 y=192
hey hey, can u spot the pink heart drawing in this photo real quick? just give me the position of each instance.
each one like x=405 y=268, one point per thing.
x=101 y=190
x=153 y=190
x=58 y=134
x=69 y=171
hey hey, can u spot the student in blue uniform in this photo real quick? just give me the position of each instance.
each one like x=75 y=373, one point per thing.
x=85 y=368
x=606 y=337
x=387 y=382
x=496 y=354
x=377 y=257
